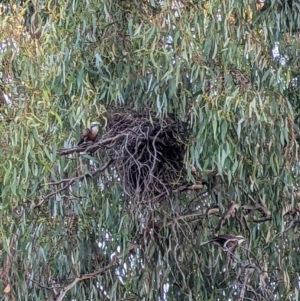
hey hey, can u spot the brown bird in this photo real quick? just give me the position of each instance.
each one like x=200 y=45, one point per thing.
x=228 y=242
x=90 y=134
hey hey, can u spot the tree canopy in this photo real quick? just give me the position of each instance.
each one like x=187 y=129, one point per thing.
x=190 y=191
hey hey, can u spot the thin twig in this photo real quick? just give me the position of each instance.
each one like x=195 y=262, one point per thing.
x=101 y=271
x=72 y=180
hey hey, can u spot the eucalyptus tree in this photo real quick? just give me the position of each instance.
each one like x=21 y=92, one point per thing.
x=190 y=191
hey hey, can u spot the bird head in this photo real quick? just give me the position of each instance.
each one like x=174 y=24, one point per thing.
x=95 y=123
x=95 y=126
x=240 y=239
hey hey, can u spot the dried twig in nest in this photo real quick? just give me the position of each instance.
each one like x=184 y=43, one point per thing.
x=149 y=159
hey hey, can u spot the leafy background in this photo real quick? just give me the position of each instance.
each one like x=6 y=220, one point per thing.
x=228 y=68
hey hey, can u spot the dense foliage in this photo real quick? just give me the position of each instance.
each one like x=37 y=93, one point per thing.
x=201 y=105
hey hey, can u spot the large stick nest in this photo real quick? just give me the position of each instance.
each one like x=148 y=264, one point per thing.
x=149 y=156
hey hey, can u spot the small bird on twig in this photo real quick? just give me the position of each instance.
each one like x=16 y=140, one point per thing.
x=228 y=241
x=90 y=134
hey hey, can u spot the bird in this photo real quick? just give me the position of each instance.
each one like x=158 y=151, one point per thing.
x=228 y=242
x=90 y=134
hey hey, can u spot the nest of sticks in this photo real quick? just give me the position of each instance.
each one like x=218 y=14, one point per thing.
x=148 y=153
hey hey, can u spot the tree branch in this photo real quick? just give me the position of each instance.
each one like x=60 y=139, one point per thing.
x=91 y=148
x=101 y=271
x=70 y=181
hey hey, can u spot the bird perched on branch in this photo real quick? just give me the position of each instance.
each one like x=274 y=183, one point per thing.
x=228 y=241
x=90 y=134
